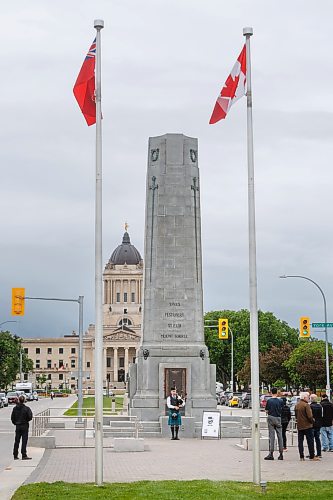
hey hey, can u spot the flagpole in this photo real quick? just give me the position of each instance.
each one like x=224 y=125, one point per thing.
x=98 y=24
x=254 y=344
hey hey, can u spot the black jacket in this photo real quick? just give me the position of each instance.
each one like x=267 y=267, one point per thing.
x=286 y=414
x=317 y=412
x=327 y=412
x=21 y=414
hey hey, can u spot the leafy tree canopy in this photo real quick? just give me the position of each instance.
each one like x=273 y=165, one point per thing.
x=306 y=364
x=10 y=347
x=272 y=332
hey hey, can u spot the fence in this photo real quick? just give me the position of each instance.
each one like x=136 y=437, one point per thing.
x=40 y=423
x=74 y=431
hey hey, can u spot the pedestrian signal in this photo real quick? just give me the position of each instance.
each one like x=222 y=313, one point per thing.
x=304 y=330
x=18 y=295
x=223 y=328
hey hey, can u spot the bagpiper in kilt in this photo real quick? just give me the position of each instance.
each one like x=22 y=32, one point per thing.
x=174 y=403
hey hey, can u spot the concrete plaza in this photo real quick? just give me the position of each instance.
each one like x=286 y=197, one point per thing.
x=163 y=459
x=177 y=460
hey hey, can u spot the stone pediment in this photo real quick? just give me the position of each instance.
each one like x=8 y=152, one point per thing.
x=123 y=333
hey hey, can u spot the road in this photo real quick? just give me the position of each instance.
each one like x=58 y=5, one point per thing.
x=7 y=430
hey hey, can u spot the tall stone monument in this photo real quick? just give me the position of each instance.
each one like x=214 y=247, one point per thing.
x=173 y=351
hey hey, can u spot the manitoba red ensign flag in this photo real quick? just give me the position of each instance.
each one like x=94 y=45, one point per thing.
x=84 y=88
x=233 y=89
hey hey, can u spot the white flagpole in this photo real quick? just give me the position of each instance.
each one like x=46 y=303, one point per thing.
x=254 y=344
x=98 y=24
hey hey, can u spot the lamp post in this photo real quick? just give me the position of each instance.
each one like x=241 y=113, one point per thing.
x=10 y=321
x=232 y=360
x=328 y=384
x=232 y=350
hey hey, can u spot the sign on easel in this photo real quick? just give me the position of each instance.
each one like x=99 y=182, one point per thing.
x=211 y=424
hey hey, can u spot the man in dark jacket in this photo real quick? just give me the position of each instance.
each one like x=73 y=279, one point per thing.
x=327 y=427
x=305 y=425
x=285 y=419
x=317 y=412
x=21 y=416
x=274 y=410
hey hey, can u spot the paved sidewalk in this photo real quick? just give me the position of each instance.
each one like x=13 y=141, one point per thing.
x=17 y=472
x=186 y=459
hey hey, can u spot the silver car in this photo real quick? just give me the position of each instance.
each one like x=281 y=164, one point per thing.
x=293 y=403
x=4 y=398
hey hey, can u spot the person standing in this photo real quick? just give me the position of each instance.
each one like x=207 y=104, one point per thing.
x=20 y=417
x=174 y=403
x=317 y=413
x=285 y=419
x=274 y=411
x=327 y=427
x=305 y=422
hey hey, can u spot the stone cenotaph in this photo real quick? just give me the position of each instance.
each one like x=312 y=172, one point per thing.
x=173 y=351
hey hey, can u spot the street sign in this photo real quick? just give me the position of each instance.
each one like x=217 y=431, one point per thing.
x=322 y=325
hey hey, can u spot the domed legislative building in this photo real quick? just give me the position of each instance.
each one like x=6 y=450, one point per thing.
x=57 y=358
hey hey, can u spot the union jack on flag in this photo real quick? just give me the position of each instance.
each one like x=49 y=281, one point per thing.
x=92 y=50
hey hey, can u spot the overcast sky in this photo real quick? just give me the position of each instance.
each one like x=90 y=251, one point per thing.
x=163 y=65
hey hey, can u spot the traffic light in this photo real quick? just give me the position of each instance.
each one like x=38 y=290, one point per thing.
x=18 y=295
x=223 y=328
x=304 y=330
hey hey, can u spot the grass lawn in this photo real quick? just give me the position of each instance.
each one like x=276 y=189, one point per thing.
x=174 y=490
x=89 y=403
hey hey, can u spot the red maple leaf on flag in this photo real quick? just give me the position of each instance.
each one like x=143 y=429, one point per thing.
x=233 y=89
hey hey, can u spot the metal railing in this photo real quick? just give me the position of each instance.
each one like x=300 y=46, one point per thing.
x=81 y=429
x=40 y=423
x=134 y=427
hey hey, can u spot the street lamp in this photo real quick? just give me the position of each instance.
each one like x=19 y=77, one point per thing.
x=328 y=384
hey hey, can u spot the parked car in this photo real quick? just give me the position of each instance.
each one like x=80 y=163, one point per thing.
x=222 y=399
x=12 y=398
x=35 y=396
x=293 y=403
x=1 y=404
x=4 y=398
x=263 y=400
x=29 y=396
x=246 y=401
x=234 y=402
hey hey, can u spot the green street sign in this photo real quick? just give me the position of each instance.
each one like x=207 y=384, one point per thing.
x=322 y=325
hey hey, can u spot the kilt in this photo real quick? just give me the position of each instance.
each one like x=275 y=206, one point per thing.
x=174 y=421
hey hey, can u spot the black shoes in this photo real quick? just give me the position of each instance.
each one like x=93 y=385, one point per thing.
x=16 y=458
x=280 y=457
x=26 y=458
x=269 y=457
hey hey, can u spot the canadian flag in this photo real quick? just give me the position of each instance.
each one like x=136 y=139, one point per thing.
x=233 y=89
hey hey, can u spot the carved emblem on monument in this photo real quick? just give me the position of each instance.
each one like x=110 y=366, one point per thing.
x=154 y=154
x=193 y=155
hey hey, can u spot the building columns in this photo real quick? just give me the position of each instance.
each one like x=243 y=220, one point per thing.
x=115 y=364
x=126 y=362
x=104 y=363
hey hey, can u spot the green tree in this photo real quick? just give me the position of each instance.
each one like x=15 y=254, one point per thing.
x=272 y=331
x=10 y=348
x=41 y=379
x=306 y=364
x=271 y=366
